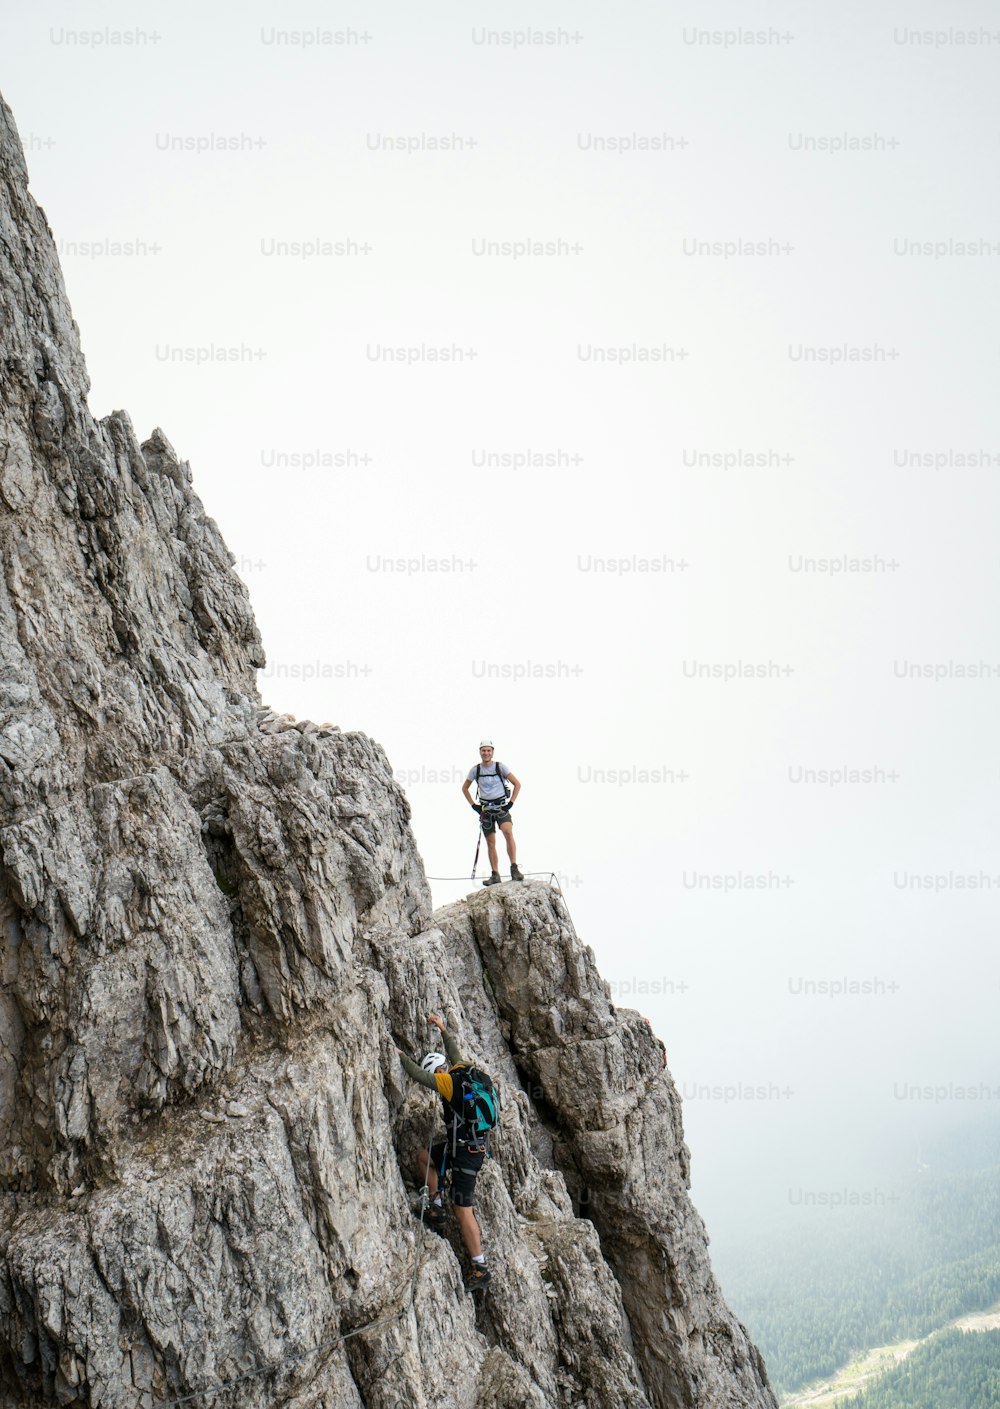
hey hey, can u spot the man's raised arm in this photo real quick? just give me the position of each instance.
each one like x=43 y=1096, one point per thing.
x=450 y=1045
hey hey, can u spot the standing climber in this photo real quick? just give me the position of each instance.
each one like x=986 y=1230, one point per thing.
x=462 y=1145
x=493 y=807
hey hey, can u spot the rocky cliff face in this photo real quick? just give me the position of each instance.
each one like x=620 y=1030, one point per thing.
x=214 y=918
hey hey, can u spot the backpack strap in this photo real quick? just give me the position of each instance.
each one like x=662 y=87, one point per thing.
x=496 y=773
x=455 y=1106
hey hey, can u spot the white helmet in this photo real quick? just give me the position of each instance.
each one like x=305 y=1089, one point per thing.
x=485 y=743
x=433 y=1060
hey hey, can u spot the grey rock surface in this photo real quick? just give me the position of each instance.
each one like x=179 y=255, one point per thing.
x=215 y=929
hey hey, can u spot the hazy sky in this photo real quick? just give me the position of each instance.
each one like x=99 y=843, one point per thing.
x=725 y=280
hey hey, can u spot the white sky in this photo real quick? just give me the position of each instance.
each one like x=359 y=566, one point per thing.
x=403 y=655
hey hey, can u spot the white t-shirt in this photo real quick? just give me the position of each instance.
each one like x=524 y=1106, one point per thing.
x=491 y=788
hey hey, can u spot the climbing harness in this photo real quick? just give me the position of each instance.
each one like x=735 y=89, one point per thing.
x=337 y=1340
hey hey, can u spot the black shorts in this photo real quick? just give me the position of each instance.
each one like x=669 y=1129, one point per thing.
x=492 y=819
x=465 y=1165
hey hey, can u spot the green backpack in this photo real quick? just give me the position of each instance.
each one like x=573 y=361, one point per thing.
x=475 y=1104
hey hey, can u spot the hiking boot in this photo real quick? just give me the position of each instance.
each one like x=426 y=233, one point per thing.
x=516 y=874
x=478 y=1277
x=434 y=1217
x=494 y=879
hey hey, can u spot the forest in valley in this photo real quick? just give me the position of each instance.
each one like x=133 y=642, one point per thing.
x=953 y=1370
x=850 y=1278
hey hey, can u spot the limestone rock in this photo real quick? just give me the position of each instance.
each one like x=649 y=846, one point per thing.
x=214 y=930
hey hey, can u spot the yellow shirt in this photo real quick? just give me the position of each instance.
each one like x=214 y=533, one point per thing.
x=445 y=1085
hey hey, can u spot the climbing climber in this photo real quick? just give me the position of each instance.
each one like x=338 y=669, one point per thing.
x=494 y=806
x=470 y=1112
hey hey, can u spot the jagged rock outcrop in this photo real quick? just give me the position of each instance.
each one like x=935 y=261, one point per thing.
x=215 y=927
